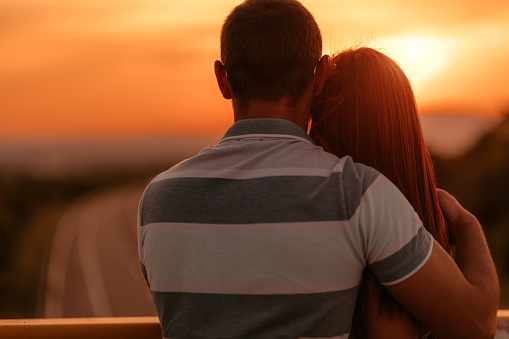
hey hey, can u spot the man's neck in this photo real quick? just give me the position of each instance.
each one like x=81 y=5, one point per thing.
x=274 y=110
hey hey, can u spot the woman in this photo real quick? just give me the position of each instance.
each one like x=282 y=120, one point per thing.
x=367 y=110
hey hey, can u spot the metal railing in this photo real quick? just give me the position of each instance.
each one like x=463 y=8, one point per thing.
x=111 y=328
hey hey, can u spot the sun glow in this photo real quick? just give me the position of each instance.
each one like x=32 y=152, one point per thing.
x=420 y=57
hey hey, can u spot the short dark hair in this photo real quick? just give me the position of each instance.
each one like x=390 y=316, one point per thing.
x=270 y=49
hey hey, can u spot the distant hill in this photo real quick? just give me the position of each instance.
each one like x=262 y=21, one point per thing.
x=452 y=134
x=446 y=135
x=56 y=158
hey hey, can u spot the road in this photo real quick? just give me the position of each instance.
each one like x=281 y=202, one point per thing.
x=93 y=268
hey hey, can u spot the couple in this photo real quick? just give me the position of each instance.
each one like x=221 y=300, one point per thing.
x=274 y=233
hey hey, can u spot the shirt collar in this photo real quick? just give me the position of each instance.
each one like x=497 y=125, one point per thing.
x=279 y=127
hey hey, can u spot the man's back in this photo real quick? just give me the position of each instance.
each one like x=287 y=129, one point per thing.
x=266 y=235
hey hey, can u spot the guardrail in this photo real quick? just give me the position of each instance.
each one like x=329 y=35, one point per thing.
x=111 y=328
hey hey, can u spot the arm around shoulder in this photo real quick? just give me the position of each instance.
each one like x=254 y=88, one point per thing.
x=455 y=299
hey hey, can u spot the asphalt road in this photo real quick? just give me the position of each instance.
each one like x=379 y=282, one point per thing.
x=93 y=268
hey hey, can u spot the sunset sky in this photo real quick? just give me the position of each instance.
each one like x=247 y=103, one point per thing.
x=101 y=68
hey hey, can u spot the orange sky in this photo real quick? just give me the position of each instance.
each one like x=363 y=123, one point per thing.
x=132 y=68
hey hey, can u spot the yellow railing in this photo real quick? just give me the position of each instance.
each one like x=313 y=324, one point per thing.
x=127 y=327
x=503 y=314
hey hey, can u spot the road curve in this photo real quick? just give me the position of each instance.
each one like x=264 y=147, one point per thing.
x=93 y=268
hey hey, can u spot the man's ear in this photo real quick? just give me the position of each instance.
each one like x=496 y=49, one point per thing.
x=222 y=80
x=320 y=75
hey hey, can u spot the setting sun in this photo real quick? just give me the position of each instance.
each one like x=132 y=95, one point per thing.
x=421 y=57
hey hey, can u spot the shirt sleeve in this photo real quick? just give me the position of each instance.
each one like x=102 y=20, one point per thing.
x=396 y=243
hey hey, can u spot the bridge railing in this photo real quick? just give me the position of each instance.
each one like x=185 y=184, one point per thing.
x=110 y=328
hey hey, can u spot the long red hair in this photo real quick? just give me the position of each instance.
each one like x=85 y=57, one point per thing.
x=367 y=110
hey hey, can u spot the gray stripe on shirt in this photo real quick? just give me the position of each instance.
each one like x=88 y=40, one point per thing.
x=259 y=200
x=191 y=315
x=396 y=266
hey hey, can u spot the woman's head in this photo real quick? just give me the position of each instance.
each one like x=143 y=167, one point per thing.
x=367 y=110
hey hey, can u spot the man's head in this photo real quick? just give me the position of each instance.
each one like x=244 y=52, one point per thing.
x=269 y=49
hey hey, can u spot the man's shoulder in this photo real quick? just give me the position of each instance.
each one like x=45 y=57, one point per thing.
x=359 y=174
x=182 y=166
x=316 y=160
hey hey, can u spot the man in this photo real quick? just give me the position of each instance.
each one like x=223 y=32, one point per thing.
x=265 y=235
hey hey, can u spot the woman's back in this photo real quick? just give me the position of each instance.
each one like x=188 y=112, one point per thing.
x=367 y=110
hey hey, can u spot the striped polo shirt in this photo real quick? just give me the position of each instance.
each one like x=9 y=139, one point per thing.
x=266 y=235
